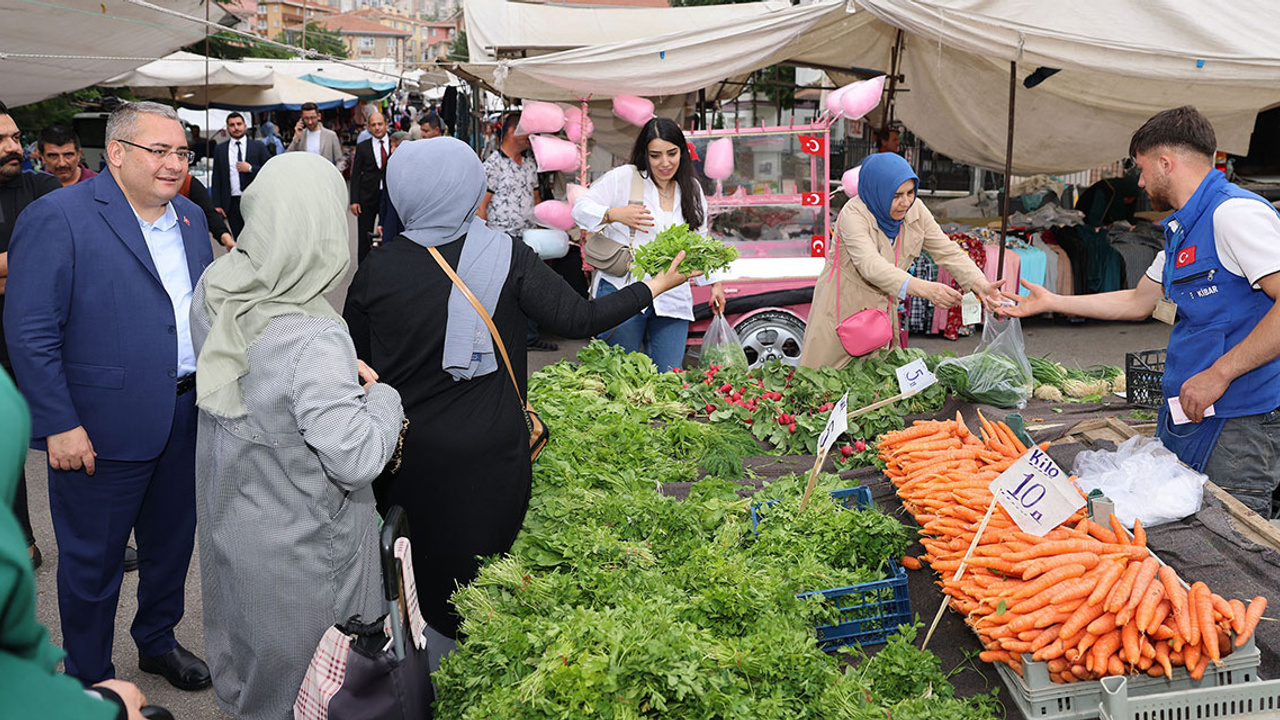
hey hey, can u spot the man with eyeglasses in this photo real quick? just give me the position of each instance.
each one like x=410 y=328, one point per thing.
x=97 y=321
x=18 y=189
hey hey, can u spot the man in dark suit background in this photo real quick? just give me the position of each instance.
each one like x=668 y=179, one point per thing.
x=97 y=322
x=246 y=156
x=367 y=173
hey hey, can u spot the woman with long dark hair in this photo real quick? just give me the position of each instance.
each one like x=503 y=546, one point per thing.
x=670 y=196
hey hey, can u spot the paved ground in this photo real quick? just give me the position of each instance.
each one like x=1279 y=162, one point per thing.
x=1085 y=344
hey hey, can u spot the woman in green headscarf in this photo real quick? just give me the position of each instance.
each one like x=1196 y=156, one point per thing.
x=289 y=442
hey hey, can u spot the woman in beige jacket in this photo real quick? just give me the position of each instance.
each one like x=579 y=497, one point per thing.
x=872 y=271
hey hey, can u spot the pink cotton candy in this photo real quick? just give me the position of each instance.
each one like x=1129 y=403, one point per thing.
x=832 y=101
x=574 y=191
x=635 y=110
x=862 y=97
x=849 y=182
x=555 y=214
x=573 y=125
x=554 y=154
x=718 y=164
x=540 y=117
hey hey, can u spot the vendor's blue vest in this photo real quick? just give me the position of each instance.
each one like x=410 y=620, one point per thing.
x=1216 y=308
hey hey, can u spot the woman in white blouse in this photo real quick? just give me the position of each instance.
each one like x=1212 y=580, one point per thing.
x=671 y=196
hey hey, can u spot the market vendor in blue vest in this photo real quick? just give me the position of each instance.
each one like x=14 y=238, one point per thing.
x=1217 y=281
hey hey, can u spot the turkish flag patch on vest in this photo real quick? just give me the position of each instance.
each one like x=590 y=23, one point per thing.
x=1186 y=256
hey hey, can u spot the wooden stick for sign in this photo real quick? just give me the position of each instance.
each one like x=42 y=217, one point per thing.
x=813 y=479
x=882 y=403
x=960 y=571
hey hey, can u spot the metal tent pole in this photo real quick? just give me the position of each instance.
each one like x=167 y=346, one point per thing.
x=1008 y=171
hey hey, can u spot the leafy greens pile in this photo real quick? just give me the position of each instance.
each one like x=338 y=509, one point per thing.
x=618 y=602
x=700 y=253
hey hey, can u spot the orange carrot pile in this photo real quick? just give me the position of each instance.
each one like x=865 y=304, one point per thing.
x=1086 y=599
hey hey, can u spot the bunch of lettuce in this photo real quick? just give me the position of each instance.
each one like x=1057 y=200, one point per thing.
x=700 y=253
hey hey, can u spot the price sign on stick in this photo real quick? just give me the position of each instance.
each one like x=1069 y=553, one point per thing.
x=914 y=377
x=837 y=424
x=1036 y=493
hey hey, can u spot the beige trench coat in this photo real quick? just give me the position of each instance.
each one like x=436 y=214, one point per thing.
x=869 y=277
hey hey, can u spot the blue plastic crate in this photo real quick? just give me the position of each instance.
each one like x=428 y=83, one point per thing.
x=869 y=612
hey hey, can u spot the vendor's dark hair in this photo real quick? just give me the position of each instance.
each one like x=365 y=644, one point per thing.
x=1183 y=127
x=510 y=122
x=881 y=135
x=4 y=109
x=433 y=120
x=686 y=177
x=56 y=135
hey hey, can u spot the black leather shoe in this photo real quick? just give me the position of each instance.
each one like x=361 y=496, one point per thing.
x=180 y=667
x=130 y=558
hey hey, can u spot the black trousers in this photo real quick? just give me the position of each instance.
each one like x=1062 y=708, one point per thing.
x=365 y=224
x=234 y=218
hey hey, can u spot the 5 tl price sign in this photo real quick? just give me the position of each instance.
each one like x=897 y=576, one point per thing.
x=1036 y=493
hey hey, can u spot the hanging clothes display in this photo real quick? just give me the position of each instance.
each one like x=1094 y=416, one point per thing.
x=1106 y=267
x=1012 y=264
x=920 y=314
x=1032 y=266
x=954 y=326
x=1051 y=263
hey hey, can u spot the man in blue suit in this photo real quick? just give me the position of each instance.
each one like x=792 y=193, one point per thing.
x=97 y=323
x=236 y=163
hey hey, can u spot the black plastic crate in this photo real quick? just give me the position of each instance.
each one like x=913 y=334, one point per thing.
x=1143 y=373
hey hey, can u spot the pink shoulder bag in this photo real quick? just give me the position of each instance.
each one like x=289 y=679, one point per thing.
x=869 y=330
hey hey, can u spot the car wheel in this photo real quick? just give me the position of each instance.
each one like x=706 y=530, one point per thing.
x=771 y=335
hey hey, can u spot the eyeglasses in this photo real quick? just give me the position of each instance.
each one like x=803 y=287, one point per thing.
x=160 y=153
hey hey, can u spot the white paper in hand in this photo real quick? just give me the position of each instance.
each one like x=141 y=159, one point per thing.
x=1179 y=416
x=914 y=377
x=970 y=309
x=1036 y=493
x=837 y=424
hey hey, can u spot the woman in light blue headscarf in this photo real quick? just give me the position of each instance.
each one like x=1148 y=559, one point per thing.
x=879 y=234
x=465 y=476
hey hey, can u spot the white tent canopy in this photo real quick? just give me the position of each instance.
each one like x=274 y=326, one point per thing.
x=52 y=48
x=1120 y=64
x=539 y=28
x=284 y=93
x=184 y=72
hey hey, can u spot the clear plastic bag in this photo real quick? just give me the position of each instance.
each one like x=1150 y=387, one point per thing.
x=1144 y=480
x=721 y=345
x=997 y=373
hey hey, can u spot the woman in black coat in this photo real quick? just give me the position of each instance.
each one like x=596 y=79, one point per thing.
x=465 y=476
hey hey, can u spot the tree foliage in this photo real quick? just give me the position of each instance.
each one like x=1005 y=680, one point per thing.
x=458 y=51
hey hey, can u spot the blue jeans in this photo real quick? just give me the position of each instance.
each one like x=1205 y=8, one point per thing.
x=661 y=338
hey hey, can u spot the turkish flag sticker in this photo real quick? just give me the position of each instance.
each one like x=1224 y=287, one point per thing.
x=813 y=199
x=1186 y=256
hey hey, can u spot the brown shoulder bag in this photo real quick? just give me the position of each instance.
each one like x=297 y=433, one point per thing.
x=539 y=434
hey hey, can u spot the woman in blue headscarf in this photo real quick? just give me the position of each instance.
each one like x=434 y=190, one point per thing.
x=879 y=234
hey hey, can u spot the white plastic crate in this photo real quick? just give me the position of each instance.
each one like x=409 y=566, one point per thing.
x=1239 y=701
x=1039 y=698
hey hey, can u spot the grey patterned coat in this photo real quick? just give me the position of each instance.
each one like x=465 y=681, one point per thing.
x=287 y=527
